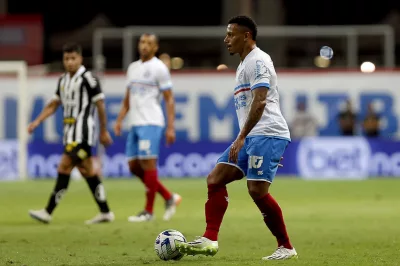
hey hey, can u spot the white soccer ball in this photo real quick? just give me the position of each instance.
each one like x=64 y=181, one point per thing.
x=165 y=245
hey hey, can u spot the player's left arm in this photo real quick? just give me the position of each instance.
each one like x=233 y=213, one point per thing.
x=259 y=77
x=256 y=110
x=97 y=96
x=165 y=85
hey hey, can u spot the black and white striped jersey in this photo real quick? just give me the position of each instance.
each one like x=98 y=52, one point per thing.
x=78 y=95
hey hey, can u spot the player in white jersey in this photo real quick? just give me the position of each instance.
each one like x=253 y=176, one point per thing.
x=258 y=148
x=148 y=79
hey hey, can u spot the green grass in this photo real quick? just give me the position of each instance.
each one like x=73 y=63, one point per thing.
x=330 y=223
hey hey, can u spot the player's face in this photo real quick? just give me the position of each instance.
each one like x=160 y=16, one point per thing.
x=72 y=61
x=147 y=46
x=234 y=39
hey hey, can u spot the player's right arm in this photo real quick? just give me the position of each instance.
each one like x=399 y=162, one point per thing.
x=122 y=113
x=125 y=103
x=47 y=111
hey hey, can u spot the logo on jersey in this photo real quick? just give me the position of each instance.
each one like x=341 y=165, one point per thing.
x=261 y=69
x=240 y=101
x=146 y=74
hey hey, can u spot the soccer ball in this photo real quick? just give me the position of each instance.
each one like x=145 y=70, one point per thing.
x=165 y=245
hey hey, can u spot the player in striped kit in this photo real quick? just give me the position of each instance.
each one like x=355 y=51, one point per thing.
x=258 y=148
x=148 y=79
x=79 y=93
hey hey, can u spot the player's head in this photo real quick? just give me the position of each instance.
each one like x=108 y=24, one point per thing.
x=241 y=31
x=148 y=46
x=72 y=57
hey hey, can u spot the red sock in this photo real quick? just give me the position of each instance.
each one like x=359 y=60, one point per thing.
x=273 y=218
x=151 y=183
x=216 y=206
x=164 y=192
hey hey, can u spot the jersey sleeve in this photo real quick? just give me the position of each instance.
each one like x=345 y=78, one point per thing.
x=93 y=87
x=128 y=76
x=164 y=78
x=258 y=74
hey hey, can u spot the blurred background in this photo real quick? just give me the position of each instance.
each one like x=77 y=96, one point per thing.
x=348 y=104
x=41 y=27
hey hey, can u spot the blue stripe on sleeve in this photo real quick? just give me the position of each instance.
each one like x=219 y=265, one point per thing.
x=258 y=85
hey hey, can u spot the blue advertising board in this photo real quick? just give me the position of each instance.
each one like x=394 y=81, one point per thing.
x=310 y=158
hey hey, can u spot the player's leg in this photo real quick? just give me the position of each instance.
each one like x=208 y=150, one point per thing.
x=217 y=203
x=64 y=171
x=97 y=188
x=148 y=144
x=136 y=169
x=132 y=152
x=264 y=156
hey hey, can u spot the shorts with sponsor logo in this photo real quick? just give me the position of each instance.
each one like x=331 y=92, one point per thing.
x=143 y=142
x=78 y=151
x=259 y=157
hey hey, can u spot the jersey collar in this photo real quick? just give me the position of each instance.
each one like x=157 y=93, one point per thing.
x=249 y=54
x=80 y=71
x=148 y=61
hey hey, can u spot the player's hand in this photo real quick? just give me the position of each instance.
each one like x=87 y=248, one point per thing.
x=170 y=136
x=32 y=126
x=235 y=148
x=105 y=138
x=118 y=128
x=280 y=164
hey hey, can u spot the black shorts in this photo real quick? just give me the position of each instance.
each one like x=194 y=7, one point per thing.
x=78 y=151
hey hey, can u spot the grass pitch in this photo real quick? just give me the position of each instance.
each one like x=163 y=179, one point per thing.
x=330 y=223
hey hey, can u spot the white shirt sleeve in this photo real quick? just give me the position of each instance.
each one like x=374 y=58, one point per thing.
x=164 y=78
x=127 y=76
x=258 y=73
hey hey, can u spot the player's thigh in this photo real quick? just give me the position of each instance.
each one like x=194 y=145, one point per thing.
x=149 y=138
x=264 y=154
x=131 y=148
x=225 y=172
x=66 y=164
x=86 y=167
x=134 y=166
x=148 y=164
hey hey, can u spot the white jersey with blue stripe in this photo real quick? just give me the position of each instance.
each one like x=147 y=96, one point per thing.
x=145 y=82
x=257 y=70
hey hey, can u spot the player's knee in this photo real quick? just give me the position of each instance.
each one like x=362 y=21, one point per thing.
x=64 y=169
x=214 y=179
x=82 y=171
x=257 y=189
x=148 y=164
x=88 y=172
x=134 y=167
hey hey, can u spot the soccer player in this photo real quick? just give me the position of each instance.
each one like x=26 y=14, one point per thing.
x=147 y=80
x=79 y=93
x=258 y=148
